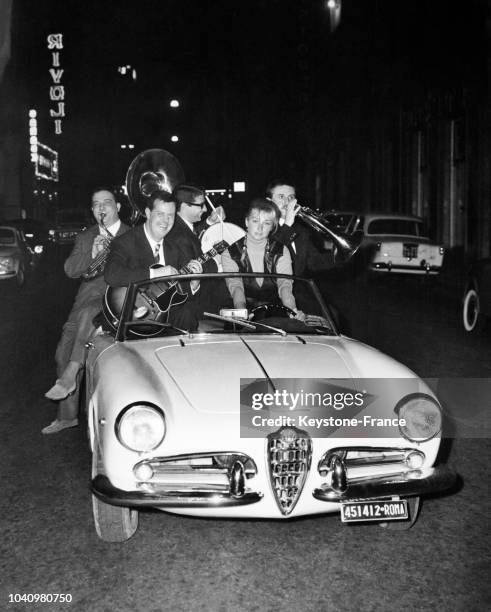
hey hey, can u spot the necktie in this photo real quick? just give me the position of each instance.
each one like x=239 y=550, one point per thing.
x=157 y=253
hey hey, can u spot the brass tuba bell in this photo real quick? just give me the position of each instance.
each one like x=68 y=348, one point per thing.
x=151 y=170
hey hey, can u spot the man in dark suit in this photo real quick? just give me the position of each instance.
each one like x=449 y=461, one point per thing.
x=148 y=251
x=290 y=233
x=188 y=226
x=187 y=231
x=90 y=246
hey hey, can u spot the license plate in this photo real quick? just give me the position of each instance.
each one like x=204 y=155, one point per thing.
x=410 y=251
x=381 y=510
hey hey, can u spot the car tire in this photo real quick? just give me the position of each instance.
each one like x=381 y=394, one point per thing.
x=414 y=504
x=112 y=523
x=472 y=318
x=20 y=279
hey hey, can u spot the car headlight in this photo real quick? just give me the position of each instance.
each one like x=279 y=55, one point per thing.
x=422 y=416
x=7 y=263
x=140 y=427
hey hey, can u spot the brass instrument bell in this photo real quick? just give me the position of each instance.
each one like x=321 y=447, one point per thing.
x=151 y=170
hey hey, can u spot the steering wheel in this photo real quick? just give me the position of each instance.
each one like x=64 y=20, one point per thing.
x=267 y=311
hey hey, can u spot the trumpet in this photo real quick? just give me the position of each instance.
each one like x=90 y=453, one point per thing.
x=346 y=245
x=97 y=266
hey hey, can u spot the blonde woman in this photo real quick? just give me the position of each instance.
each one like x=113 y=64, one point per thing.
x=259 y=252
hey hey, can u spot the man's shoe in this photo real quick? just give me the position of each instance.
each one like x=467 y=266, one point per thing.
x=59 y=392
x=59 y=425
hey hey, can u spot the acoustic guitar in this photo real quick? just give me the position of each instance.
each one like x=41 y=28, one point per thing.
x=155 y=301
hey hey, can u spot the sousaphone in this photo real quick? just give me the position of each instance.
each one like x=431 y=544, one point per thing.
x=151 y=170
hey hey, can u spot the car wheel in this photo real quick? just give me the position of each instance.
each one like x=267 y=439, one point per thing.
x=112 y=523
x=472 y=317
x=414 y=504
x=20 y=279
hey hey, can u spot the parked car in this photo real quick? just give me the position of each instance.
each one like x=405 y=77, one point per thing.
x=66 y=225
x=476 y=302
x=16 y=257
x=35 y=232
x=392 y=242
x=171 y=425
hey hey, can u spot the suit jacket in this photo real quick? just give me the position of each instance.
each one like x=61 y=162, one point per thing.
x=299 y=236
x=190 y=243
x=90 y=291
x=131 y=256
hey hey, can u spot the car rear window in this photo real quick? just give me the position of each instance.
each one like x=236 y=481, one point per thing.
x=7 y=236
x=404 y=227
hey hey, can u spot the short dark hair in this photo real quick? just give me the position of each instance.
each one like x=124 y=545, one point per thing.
x=103 y=188
x=186 y=194
x=159 y=194
x=276 y=183
x=266 y=206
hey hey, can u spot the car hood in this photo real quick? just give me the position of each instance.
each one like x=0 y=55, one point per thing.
x=208 y=373
x=9 y=251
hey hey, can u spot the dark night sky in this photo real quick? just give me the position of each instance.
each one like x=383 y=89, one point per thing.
x=256 y=77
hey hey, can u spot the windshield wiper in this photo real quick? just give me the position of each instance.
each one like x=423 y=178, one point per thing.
x=150 y=323
x=244 y=323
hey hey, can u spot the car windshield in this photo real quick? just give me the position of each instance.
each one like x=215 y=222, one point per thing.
x=403 y=227
x=172 y=306
x=7 y=236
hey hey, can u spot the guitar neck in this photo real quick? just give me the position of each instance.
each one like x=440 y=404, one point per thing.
x=202 y=259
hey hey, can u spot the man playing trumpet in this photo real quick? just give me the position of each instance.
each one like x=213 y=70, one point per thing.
x=85 y=262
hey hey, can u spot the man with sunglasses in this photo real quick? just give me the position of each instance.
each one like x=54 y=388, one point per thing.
x=188 y=227
x=187 y=231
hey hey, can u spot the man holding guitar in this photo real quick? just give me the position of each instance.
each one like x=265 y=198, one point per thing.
x=148 y=251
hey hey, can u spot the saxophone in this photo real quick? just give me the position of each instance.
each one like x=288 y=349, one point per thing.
x=97 y=266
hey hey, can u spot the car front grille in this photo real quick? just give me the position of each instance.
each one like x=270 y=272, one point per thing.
x=289 y=458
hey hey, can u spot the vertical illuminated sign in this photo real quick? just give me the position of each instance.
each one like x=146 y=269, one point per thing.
x=56 y=90
x=33 y=135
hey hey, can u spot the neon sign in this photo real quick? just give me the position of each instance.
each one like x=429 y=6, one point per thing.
x=56 y=90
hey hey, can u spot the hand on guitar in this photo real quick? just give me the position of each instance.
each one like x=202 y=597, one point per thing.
x=157 y=270
x=194 y=267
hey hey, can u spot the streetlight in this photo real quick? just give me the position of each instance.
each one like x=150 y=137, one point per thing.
x=174 y=103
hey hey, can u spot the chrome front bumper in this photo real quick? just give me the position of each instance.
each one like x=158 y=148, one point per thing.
x=199 y=480
x=405 y=484
x=406 y=269
x=106 y=492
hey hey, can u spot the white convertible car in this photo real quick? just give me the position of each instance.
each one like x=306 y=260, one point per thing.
x=251 y=413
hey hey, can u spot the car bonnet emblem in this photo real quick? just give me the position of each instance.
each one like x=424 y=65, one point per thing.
x=289 y=458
